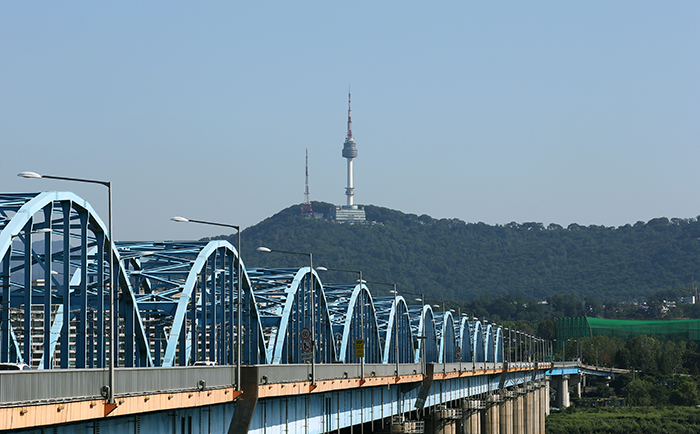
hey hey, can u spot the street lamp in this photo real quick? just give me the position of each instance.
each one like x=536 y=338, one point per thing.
x=362 y=314
x=396 y=321
x=238 y=343
x=313 y=307
x=112 y=349
x=421 y=337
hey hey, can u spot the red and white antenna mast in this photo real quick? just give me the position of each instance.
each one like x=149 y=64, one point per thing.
x=306 y=206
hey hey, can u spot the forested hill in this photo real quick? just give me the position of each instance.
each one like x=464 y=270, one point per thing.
x=451 y=259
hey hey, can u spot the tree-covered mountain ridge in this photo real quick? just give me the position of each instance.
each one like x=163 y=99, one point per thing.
x=454 y=260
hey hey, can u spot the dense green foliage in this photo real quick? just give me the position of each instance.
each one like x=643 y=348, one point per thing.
x=662 y=373
x=449 y=259
x=625 y=420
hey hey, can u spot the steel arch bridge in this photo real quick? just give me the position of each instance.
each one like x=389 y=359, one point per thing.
x=176 y=303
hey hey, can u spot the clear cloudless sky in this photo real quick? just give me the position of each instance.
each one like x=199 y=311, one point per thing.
x=549 y=111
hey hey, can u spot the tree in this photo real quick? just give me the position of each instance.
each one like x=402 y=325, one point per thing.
x=637 y=393
x=686 y=393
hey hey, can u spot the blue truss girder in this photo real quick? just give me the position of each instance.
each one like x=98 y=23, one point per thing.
x=352 y=311
x=80 y=289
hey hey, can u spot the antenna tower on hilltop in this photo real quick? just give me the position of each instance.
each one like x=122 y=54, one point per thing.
x=349 y=152
x=306 y=206
x=349 y=213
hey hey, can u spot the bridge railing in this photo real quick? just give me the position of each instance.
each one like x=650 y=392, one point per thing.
x=65 y=385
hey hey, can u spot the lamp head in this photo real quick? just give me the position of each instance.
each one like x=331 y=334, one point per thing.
x=29 y=175
x=263 y=249
x=179 y=219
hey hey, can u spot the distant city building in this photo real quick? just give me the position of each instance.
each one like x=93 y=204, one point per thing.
x=687 y=300
x=349 y=212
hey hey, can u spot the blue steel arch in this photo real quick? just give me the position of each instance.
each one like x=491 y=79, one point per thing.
x=477 y=336
x=78 y=304
x=345 y=304
x=488 y=343
x=284 y=301
x=446 y=338
x=187 y=293
x=495 y=344
x=390 y=334
x=464 y=341
x=428 y=330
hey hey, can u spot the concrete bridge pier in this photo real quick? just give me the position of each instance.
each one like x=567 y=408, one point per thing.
x=543 y=391
x=561 y=384
x=536 y=406
x=518 y=411
x=542 y=402
x=529 y=409
x=471 y=416
x=577 y=383
x=506 y=412
x=492 y=425
x=547 y=388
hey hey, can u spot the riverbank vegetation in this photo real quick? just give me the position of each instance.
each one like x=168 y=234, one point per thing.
x=625 y=420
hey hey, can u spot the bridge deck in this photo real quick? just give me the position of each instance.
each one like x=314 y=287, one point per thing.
x=40 y=398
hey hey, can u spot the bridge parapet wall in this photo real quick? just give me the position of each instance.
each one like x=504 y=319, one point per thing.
x=23 y=387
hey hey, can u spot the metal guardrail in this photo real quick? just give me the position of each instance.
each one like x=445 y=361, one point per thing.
x=21 y=387
x=399 y=425
x=445 y=413
x=274 y=374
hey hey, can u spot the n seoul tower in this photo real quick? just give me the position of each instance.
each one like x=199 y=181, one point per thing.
x=349 y=152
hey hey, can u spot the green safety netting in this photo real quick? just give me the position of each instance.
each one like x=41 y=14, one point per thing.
x=682 y=329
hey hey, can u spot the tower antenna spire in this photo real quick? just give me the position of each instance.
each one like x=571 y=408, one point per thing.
x=349 y=117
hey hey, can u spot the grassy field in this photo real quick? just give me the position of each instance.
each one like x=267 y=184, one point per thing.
x=625 y=420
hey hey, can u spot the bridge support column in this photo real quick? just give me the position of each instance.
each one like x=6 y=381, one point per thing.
x=492 y=414
x=541 y=404
x=562 y=386
x=536 y=406
x=544 y=403
x=506 y=413
x=519 y=412
x=546 y=396
x=471 y=416
x=528 y=411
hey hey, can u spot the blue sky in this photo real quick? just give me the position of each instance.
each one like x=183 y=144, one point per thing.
x=563 y=112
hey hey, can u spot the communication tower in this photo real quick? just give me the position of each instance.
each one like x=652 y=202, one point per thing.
x=306 y=206
x=349 y=213
x=349 y=152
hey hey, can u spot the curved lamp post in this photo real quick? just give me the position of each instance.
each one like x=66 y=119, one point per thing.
x=238 y=343
x=396 y=321
x=313 y=307
x=362 y=314
x=112 y=349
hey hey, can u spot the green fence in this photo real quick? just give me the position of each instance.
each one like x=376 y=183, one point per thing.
x=574 y=328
